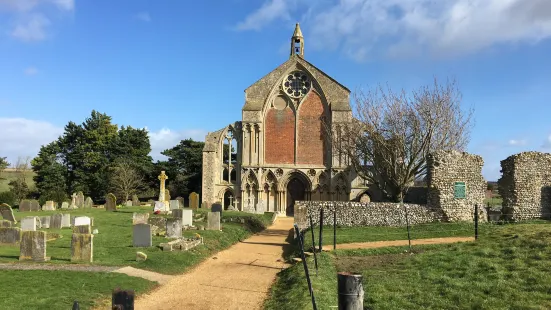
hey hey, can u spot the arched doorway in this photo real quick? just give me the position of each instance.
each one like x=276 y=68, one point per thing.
x=229 y=199
x=296 y=190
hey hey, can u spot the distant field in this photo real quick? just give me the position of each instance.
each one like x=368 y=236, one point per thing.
x=10 y=174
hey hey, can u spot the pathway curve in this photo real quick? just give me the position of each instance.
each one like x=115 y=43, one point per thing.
x=382 y=244
x=237 y=278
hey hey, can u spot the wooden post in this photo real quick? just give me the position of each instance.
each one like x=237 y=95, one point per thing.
x=335 y=229
x=321 y=230
x=476 y=222
x=351 y=292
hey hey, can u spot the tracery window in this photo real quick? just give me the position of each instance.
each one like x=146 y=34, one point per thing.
x=296 y=84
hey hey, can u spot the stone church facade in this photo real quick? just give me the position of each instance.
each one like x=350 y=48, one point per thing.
x=279 y=152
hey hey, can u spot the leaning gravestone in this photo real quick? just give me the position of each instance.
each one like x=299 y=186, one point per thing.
x=65 y=205
x=217 y=207
x=194 y=201
x=140 y=218
x=213 y=221
x=28 y=223
x=10 y=235
x=135 y=201
x=7 y=213
x=65 y=220
x=174 y=204
x=55 y=221
x=5 y=223
x=80 y=200
x=141 y=235
x=25 y=205
x=110 y=202
x=45 y=221
x=88 y=203
x=33 y=246
x=82 y=248
x=49 y=206
x=173 y=228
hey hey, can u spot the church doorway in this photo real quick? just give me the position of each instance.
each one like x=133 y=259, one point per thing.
x=296 y=190
x=228 y=199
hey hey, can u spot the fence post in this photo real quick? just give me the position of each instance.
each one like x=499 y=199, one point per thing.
x=476 y=222
x=335 y=229
x=407 y=224
x=351 y=291
x=321 y=230
x=122 y=299
x=301 y=245
x=76 y=306
x=312 y=230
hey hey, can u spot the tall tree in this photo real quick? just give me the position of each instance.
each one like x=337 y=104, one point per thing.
x=3 y=165
x=19 y=186
x=185 y=163
x=50 y=173
x=393 y=132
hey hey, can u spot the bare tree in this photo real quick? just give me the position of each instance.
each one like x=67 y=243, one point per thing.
x=125 y=179
x=392 y=133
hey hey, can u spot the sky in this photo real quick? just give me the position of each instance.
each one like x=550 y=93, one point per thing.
x=180 y=68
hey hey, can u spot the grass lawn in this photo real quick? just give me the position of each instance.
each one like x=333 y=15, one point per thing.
x=113 y=243
x=9 y=175
x=507 y=268
x=41 y=289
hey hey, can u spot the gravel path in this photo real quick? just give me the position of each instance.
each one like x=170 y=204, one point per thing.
x=237 y=278
x=382 y=244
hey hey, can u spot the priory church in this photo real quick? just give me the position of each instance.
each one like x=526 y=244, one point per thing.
x=279 y=153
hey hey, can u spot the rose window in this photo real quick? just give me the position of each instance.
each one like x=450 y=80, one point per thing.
x=296 y=84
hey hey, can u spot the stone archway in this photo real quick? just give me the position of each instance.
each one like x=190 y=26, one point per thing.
x=296 y=190
x=228 y=199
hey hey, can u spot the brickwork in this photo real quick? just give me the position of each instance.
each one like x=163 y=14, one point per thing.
x=310 y=142
x=280 y=136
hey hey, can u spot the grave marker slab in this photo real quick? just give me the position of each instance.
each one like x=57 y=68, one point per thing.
x=184 y=215
x=35 y=205
x=65 y=205
x=10 y=235
x=82 y=229
x=49 y=206
x=7 y=213
x=82 y=248
x=141 y=235
x=5 y=223
x=45 y=221
x=80 y=200
x=88 y=203
x=140 y=218
x=110 y=202
x=135 y=201
x=213 y=221
x=55 y=221
x=33 y=246
x=173 y=228
x=174 y=204
x=25 y=205
x=128 y=203
x=66 y=220
x=82 y=220
x=194 y=201
x=28 y=223
x=217 y=207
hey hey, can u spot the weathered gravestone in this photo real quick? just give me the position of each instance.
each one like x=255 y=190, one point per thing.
x=55 y=221
x=140 y=218
x=141 y=235
x=65 y=220
x=7 y=213
x=161 y=206
x=45 y=221
x=82 y=248
x=5 y=223
x=80 y=200
x=213 y=221
x=181 y=201
x=194 y=201
x=82 y=229
x=29 y=223
x=173 y=228
x=88 y=203
x=167 y=195
x=25 y=205
x=174 y=204
x=128 y=203
x=10 y=235
x=110 y=202
x=35 y=205
x=82 y=220
x=65 y=205
x=73 y=204
x=33 y=246
x=135 y=201
x=49 y=206
x=184 y=215
x=217 y=207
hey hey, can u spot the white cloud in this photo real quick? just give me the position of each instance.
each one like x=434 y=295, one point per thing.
x=547 y=143
x=23 y=137
x=30 y=71
x=166 y=138
x=514 y=142
x=143 y=16
x=28 y=5
x=33 y=29
x=398 y=28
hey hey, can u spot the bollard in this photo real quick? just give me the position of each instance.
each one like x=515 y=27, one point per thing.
x=76 y=306
x=351 y=291
x=122 y=299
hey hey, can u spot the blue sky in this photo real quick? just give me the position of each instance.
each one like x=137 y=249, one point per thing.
x=179 y=68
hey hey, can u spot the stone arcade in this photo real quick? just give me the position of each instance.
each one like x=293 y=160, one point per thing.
x=279 y=152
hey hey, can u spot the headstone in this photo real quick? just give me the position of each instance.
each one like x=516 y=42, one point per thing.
x=141 y=235
x=55 y=221
x=110 y=202
x=95 y=231
x=66 y=220
x=7 y=213
x=213 y=221
x=173 y=228
x=73 y=201
x=28 y=223
x=161 y=206
x=45 y=221
x=184 y=215
x=35 y=205
x=128 y=203
x=181 y=201
x=82 y=229
x=167 y=195
x=25 y=205
x=82 y=220
x=49 y=206
x=140 y=218
x=33 y=246
x=194 y=201
x=10 y=235
x=82 y=248
x=135 y=201
x=217 y=207
x=174 y=204
x=5 y=223
x=88 y=203
x=80 y=200
x=65 y=205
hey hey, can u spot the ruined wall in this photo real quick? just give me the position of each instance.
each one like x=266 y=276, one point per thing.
x=525 y=186
x=444 y=169
x=364 y=214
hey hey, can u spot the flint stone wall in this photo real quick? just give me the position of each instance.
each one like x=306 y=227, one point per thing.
x=444 y=169
x=363 y=214
x=525 y=186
